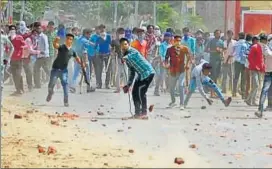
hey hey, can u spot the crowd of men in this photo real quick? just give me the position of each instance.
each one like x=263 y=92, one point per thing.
x=181 y=61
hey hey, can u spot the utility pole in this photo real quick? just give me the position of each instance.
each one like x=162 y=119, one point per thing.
x=1 y=65
x=136 y=13
x=98 y=12
x=22 y=10
x=115 y=13
x=155 y=12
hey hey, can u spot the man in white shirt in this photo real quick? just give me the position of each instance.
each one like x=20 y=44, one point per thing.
x=199 y=78
x=43 y=58
x=227 y=66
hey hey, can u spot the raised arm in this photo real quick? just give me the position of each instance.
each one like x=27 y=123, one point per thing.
x=56 y=43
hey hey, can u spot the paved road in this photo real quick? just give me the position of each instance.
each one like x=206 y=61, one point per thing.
x=225 y=137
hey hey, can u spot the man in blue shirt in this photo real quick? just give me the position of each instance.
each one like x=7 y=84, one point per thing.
x=137 y=64
x=81 y=49
x=93 y=39
x=104 y=44
x=240 y=53
x=188 y=41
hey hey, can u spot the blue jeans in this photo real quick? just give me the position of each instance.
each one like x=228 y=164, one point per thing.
x=77 y=69
x=206 y=81
x=63 y=76
x=266 y=85
x=173 y=81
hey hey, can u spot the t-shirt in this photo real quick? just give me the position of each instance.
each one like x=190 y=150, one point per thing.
x=64 y=55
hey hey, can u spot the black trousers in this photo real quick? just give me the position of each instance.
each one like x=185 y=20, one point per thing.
x=139 y=94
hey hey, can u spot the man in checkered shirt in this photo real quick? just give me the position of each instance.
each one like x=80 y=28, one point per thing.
x=137 y=64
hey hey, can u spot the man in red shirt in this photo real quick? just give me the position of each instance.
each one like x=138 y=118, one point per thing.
x=176 y=56
x=256 y=67
x=16 y=64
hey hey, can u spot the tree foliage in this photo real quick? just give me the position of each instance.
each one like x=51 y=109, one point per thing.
x=91 y=13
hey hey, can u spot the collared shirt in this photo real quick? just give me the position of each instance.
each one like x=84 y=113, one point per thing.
x=42 y=45
x=51 y=37
x=177 y=56
x=137 y=64
x=81 y=47
x=198 y=76
x=240 y=51
x=228 y=54
x=163 y=49
x=190 y=43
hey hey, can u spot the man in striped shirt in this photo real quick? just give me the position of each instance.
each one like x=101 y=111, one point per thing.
x=137 y=64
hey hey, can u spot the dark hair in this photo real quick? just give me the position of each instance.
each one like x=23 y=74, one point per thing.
x=134 y=30
x=206 y=66
x=12 y=26
x=74 y=28
x=119 y=30
x=263 y=36
x=249 y=37
x=255 y=38
x=230 y=32
x=171 y=30
x=123 y=40
x=177 y=36
x=51 y=23
x=185 y=29
x=216 y=30
x=37 y=24
x=61 y=26
x=149 y=26
x=70 y=35
x=101 y=26
x=34 y=30
x=87 y=30
x=241 y=35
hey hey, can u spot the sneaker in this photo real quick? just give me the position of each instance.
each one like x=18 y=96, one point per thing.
x=66 y=104
x=259 y=114
x=17 y=93
x=181 y=107
x=156 y=94
x=255 y=104
x=171 y=105
x=49 y=97
x=144 y=114
x=90 y=89
x=107 y=87
x=248 y=102
x=228 y=101
x=117 y=91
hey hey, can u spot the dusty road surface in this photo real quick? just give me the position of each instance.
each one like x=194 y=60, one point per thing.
x=223 y=137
